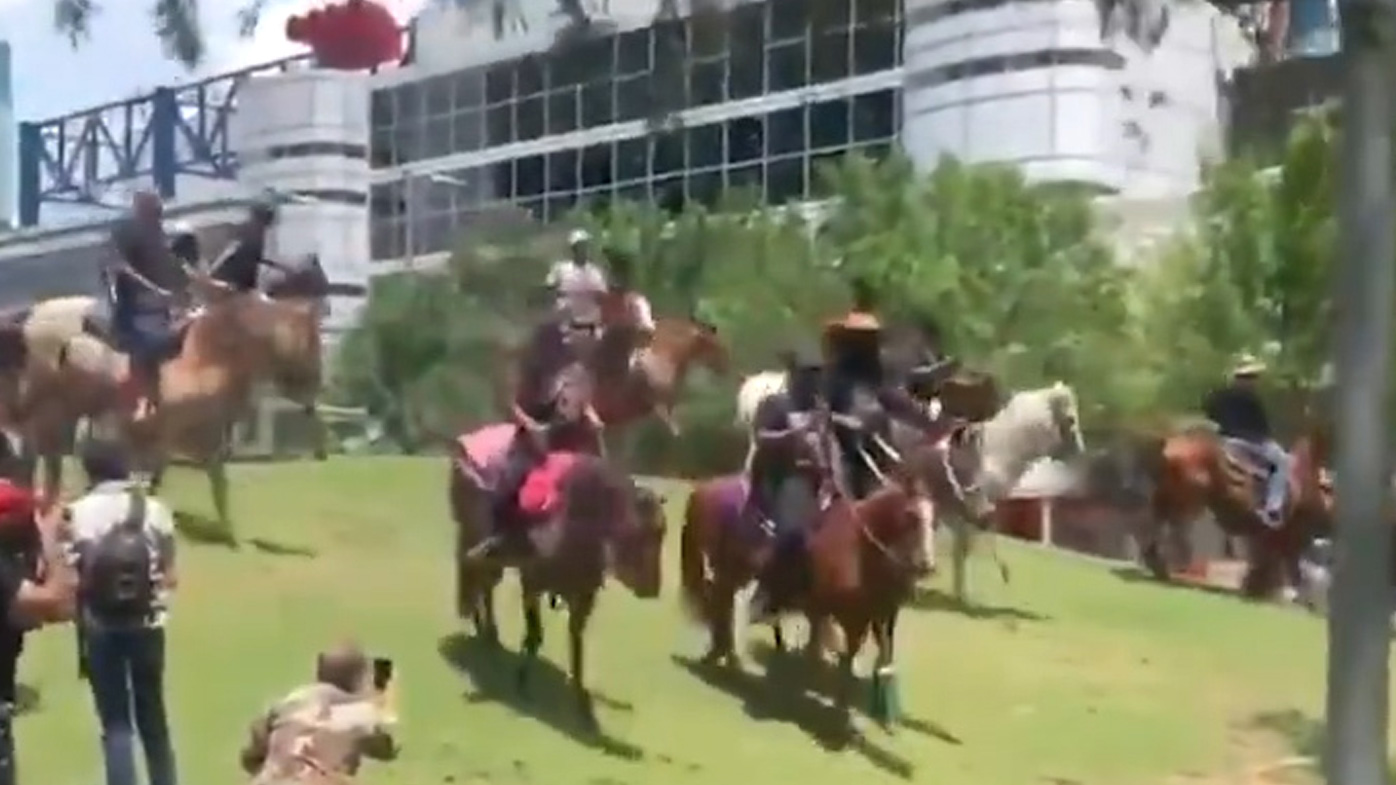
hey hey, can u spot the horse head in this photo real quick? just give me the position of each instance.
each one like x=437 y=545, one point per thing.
x=901 y=517
x=630 y=519
x=306 y=280
x=697 y=340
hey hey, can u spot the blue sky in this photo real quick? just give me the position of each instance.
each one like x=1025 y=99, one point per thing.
x=123 y=58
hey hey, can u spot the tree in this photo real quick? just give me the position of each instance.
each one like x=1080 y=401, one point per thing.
x=1254 y=273
x=176 y=23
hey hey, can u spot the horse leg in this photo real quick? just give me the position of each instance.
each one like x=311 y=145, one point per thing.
x=855 y=631
x=961 y=545
x=217 y=472
x=721 y=612
x=533 y=634
x=578 y=613
x=317 y=430
x=886 y=706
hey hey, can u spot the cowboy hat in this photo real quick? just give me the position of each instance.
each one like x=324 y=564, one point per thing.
x=854 y=321
x=1247 y=365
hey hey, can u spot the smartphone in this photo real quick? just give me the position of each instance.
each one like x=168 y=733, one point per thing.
x=382 y=673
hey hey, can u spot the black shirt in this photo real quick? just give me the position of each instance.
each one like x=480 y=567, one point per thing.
x=248 y=254
x=11 y=638
x=145 y=248
x=1238 y=413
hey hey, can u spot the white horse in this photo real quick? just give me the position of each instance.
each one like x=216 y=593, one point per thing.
x=1033 y=425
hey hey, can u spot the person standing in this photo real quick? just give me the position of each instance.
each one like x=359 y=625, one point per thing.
x=122 y=545
x=37 y=587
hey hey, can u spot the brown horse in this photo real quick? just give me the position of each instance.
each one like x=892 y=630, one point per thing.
x=1193 y=472
x=587 y=519
x=635 y=384
x=864 y=558
x=67 y=372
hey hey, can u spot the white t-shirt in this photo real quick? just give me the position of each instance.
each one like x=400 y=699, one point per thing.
x=579 y=289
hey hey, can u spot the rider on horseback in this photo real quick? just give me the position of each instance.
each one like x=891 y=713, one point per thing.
x=1240 y=416
x=578 y=285
x=551 y=411
x=858 y=393
x=639 y=313
x=237 y=267
x=779 y=420
x=140 y=283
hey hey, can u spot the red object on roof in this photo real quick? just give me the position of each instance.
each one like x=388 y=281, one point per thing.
x=353 y=35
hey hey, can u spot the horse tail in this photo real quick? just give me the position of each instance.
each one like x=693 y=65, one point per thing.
x=692 y=566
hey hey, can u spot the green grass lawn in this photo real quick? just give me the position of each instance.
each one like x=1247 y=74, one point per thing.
x=1071 y=675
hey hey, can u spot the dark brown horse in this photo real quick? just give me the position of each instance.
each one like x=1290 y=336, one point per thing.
x=1193 y=472
x=586 y=519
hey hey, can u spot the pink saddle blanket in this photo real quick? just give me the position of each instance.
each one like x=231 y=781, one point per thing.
x=541 y=493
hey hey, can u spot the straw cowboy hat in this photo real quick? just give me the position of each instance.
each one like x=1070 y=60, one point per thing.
x=854 y=321
x=1247 y=365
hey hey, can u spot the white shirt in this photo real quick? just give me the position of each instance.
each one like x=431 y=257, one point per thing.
x=641 y=311
x=579 y=289
x=103 y=509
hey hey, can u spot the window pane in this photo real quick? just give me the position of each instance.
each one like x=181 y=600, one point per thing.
x=745 y=179
x=831 y=15
x=562 y=111
x=380 y=110
x=632 y=160
x=667 y=154
x=706 y=82
x=466 y=133
x=529 y=176
x=785 y=131
x=745 y=139
x=704 y=145
x=381 y=152
x=632 y=98
x=408 y=104
x=469 y=89
x=530 y=75
x=874 y=49
x=748 y=75
x=668 y=194
x=708 y=35
x=562 y=171
x=499 y=83
x=596 y=166
x=436 y=140
x=788 y=67
x=670 y=42
x=633 y=52
x=789 y=18
x=747 y=29
x=407 y=142
x=530 y=118
x=829 y=58
x=821 y=169
x=500 y=124
x=874 y=11
x=564 y=68
x=638 y=192
x=438 y=95
x=598 y=105
x=874 y=116
x=828 y=124
x=502 y=177
x=705 y=187
x=785 y=180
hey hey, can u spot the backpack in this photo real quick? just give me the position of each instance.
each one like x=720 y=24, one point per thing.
x=116 y=576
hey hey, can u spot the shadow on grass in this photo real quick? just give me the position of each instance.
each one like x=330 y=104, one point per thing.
x=203 y=530
x=928 y=599
x=1132 y=574
x=791 y=691
x=275 y=548
x=494 y=669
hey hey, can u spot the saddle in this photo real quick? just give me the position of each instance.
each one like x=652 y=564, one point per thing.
x=100 y=325
x=482 y=455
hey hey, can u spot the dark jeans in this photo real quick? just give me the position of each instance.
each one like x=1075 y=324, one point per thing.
x=520 y=459
x=126 y=668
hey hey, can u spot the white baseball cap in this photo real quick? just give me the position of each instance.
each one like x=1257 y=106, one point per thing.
x=578 y=236
x=179 y=227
